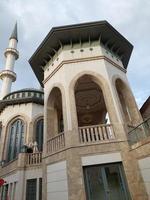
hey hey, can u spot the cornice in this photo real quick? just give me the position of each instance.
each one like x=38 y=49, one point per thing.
x=83 y=60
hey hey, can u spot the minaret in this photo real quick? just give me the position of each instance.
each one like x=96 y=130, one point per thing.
x=11 y=54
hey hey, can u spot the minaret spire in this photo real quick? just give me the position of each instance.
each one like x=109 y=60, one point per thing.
x=11 y=54
x=14 y=34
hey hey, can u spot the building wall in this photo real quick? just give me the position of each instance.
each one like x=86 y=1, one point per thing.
x=144 y=165
x=27 y=112
x=145 y=109
x=57 y=187
x=146 y=114
x=15 y=173
x=69 y=72
x=63 y=73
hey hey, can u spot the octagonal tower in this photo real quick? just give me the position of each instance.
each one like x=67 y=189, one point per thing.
x=88 y=109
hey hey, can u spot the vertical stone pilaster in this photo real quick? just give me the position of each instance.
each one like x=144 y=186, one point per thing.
x=44 y=180
x=20 y=185
x=30 y=132
x=75 y=177
x=37 y=189
x=133 y=175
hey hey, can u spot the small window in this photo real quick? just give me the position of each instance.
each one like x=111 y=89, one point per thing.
x=18 y=94
x=29 y=94
x=23 y=94
x=31 y=189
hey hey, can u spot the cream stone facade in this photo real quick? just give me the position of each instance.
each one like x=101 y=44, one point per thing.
x=95 y=144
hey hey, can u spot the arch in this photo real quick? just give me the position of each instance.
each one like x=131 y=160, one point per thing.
x=21 y=115
x=16 y=138
x=98 y=78
x=127 y=104
x=103 y=86
x=54 y=112
x=90 y=104
x=34 y=122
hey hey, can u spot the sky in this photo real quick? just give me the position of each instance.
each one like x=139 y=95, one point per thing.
x=35 y=18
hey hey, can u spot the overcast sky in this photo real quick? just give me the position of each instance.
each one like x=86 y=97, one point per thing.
x=36 y=17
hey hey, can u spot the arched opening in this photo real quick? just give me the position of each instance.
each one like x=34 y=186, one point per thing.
x=39 y=134
x=15 y=139
x=90 y=104
x=128 y=105
x=55 y=124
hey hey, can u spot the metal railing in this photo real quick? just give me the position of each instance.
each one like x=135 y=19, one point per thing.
x=56 y=143
x=96 y=133
x=139 y=132
x=33 y=158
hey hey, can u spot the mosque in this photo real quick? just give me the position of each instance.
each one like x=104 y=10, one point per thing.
x=82 y=136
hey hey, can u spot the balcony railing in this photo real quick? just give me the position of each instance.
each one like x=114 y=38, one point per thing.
x=140 y=132
x=33 y=159
x=96 y=133
x=56 y=143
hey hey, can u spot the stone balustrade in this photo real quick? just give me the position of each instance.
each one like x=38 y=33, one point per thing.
x=86 y=135
x=33 y=159
x=56 y=143
x=96 y=133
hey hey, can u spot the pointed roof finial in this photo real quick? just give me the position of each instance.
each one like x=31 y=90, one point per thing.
x=14 y=34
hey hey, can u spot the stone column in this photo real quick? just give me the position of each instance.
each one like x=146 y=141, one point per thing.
x=71 y=133
x=12 y=191
x=74 y=167
x=37 y=189
x=20 y=185
x=21 y=175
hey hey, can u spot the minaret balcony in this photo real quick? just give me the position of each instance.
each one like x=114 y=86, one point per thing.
x=8 y=73
x=12 y=51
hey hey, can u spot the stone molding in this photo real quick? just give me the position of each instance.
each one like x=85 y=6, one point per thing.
x=12 y=51
x=8 y=73
x=83 y=60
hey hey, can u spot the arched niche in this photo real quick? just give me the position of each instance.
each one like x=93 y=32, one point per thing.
x=54 y=118
x=90 y=104
x=129 y=108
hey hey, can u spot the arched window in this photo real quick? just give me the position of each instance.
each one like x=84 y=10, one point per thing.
x=39 y=134
x=16 y=139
